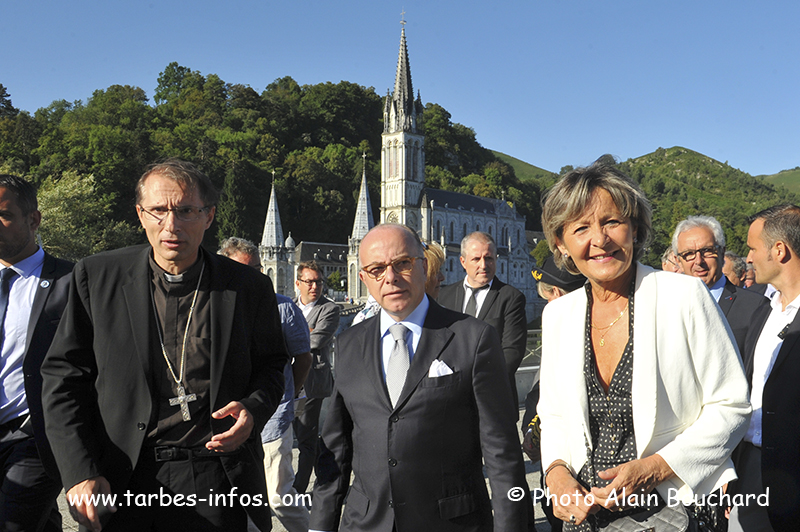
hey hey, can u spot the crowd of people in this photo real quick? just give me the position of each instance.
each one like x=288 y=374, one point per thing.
x=162 y=386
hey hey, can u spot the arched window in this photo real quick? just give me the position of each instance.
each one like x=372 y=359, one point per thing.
x=452 y=237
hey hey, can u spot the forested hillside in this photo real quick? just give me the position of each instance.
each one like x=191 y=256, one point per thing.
x=312 y=137
x=680 y=182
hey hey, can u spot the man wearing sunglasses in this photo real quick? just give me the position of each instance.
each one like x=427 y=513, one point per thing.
x=699 y=244
x=420 y=405
x=322 y=316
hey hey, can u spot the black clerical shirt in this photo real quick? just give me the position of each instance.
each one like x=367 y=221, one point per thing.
x=173 y=298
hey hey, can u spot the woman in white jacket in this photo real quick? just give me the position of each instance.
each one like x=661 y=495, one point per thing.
x=643 y=395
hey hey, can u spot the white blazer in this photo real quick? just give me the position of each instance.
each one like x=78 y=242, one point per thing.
x=689 y=392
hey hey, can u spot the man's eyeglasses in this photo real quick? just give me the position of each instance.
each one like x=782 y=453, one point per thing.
x=706 y=253
x=377 y=270
x=312 y=282
x=186 y=213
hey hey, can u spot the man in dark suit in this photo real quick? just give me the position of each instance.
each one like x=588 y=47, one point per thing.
x=322 y=316
x=487 y=298
x=699 y=243
x=33 y=292
x=165 y=367
x=420 y=404
x=768 y=459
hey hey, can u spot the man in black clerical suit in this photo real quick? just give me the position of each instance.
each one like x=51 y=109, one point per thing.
x=699 y=243
x=487 y=298
x=768 y=458
x=420 y=404
x=165 y=367
x=33 y=292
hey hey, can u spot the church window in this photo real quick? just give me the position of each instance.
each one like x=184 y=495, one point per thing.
x=491 y=231
x=503 y=267
x=438 y=230
x=465 y=229
x=451 y=231
x=477 y=227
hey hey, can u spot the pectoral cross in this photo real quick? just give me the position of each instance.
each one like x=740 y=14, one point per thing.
x=183 y=400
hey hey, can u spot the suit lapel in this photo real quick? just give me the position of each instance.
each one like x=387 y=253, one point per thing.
x=222 y=303
x=727 y=297
x=432 y=342
x=645 y=371
x=139 y=303
x=789 y=341
x=494 y=290
x=370 y=347
x=42 y=291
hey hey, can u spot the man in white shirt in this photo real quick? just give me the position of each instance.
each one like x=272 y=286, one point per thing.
x=768 y=460
x=33 y=292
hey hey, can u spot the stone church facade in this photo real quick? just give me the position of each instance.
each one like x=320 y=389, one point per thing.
x=436 y=215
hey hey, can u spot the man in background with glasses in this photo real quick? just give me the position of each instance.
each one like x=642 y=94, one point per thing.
x=322 y=316
x=421 y=403
x=167 y=363
x=699 y=243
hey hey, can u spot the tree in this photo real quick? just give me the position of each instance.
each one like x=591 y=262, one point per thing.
x=6 y=109
x=541 y=252
x=77 y=221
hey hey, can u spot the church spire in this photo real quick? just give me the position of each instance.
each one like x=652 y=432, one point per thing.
x=363 y=222
x=402 y=109
x=273 y=232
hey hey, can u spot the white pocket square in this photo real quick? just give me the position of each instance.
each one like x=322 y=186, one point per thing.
x=439 y=369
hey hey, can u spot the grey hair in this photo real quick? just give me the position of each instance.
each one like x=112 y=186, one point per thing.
x=738 y=264
x=480 y=236
x=568 y=199
x=233 y=245
x=695 y=222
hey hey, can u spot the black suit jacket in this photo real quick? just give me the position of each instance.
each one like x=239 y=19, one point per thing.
x=503 y=309
x=739 y=307
x=780 y=440
x=420 y=464
x=97 y=377
x=48 y=305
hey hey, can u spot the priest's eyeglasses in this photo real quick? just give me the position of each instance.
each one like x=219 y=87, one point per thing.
x=186 y=213
x=706 y=253
x=377 y=270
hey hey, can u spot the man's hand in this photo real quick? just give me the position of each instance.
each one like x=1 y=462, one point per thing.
x=233 y=438
x=80 y=507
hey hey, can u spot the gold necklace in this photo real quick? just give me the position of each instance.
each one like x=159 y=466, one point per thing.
x=608 y=327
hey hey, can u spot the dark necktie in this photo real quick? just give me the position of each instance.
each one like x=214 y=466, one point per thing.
x=398 y=364
x=472 y=304
x=5 y=283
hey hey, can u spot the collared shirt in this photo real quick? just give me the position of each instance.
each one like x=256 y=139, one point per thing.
x=716 y=290
x=413 y=323
x=22 y=291
x=306 y=308
x=298 y=341
x=480 y=295
x=766 y=351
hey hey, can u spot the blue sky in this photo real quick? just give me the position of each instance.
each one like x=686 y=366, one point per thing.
x=550 y=82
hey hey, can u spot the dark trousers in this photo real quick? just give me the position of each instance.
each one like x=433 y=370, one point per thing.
x=155 y=486
x=28 y=495
x=306 y=430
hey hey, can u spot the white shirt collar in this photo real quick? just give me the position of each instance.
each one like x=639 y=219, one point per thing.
x=413 y=321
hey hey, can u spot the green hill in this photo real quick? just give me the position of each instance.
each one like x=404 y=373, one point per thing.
x=526 y=171
x=681 y=182
x=785 y=178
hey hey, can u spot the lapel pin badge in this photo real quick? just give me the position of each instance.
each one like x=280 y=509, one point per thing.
x=45 y=283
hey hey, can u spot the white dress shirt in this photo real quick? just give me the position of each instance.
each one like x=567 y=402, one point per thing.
x=766 y=351
x=413 y=323
x=15 y=328
x=480 y=296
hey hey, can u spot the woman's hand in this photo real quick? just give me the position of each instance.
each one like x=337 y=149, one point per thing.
x=565 y=489
x=635 y=478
